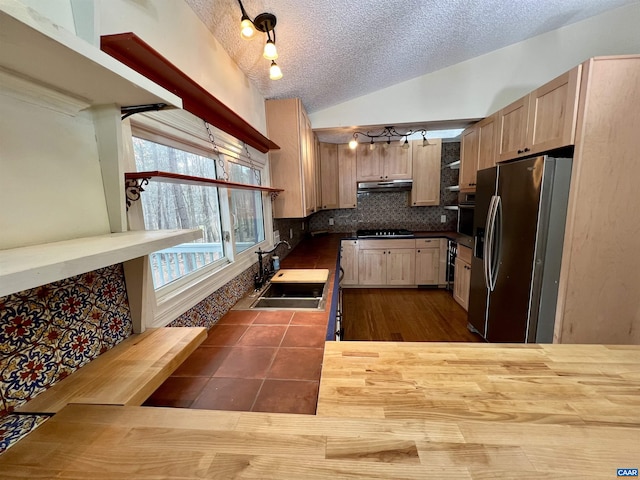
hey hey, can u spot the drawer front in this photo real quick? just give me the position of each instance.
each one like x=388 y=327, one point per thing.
x=386 y=244
x=427 y=242
x=464 y=253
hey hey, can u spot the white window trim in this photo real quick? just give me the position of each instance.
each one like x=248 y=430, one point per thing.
x=179 y=129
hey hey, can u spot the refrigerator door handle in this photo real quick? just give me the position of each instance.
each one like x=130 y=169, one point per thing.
x=487 y=244
x=496 y=243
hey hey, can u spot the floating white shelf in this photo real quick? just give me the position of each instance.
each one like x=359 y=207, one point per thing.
x=46 y=53
x=29 y=267
x=451 y=207
x=453 y=188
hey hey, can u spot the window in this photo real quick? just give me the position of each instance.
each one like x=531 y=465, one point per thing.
x=172 y=205
x=246 y=208
x=233 y=221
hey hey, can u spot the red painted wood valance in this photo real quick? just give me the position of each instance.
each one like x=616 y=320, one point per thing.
x=129 y=49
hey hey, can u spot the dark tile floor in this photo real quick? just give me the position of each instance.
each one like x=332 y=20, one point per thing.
x=252 y=361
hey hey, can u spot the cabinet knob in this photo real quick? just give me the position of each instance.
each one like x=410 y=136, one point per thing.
x=527 y=149
x=324 y=206
x=354 y=204
x=415 y=203
x=418 y=251
x=381 y=178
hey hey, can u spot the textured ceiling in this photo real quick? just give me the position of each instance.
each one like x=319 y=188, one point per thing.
x=334 y=50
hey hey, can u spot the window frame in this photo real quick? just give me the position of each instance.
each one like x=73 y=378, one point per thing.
x=182 y=130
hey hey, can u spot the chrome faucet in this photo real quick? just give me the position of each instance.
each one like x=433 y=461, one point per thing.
x=264 y=272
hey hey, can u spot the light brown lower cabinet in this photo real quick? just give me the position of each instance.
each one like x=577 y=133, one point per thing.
x=462 y=277
x=386 y=262
x=393 y=262
x=349 y=262
x=428 y=261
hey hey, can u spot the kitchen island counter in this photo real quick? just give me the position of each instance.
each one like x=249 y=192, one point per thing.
x=386 y=410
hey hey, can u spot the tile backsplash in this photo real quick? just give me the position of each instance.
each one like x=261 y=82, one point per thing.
x=392 y=210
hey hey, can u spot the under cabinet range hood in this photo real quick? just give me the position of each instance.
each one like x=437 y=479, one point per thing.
x=385 y=186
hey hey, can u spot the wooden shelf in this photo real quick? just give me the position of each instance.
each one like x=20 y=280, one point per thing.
x=43 y=52
x=134 y=52
x=29 y=267
x=168 y=177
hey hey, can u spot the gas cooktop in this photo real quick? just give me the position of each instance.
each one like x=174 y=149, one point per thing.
x=384 y=233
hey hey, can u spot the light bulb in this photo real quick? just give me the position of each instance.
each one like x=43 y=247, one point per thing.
x=386 y=144
x=425 y=142
x=270 y=52
x=372 y=146
x=247 y=29
x=405 y=145
x=274 y=71
x=353 y=144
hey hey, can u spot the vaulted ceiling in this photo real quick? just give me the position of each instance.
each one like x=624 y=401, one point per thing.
x=332 y=51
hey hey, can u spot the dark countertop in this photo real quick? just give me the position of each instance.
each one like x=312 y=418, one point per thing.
x=461 y=239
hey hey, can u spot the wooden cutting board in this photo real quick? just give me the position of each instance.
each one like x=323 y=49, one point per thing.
x=301 y=275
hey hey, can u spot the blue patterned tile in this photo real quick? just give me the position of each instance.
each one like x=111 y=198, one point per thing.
x=14 y=427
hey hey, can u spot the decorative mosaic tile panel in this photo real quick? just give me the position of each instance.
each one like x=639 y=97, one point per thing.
x=48 y=332
x=14 y=427
x=392 y=209
x=211 y=309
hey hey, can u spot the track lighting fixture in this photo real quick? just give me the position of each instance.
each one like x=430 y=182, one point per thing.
x=266 y=23
x=388 y=133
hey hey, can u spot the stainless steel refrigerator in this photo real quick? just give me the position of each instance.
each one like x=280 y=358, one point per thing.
x=518 y=231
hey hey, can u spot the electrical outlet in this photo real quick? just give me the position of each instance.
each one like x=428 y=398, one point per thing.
x=443 y=219
x=331 y=221
x=290 y=233
x=303 y=226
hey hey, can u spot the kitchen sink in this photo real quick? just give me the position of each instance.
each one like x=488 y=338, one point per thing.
x=283 y=296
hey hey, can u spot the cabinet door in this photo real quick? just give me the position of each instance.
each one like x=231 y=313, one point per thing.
x=426 y=173
x=308 y=165
x=428 y=264
x=368 y=164
x=329 y=178
x=401 y=264
x=468 y=158
x=372 y=267
x=347 y=185
x=349 y=262
x=396 y=161
x=553 y=110
x=461 y=283
x=512 y=129
x=487 y=136
x=287 y=171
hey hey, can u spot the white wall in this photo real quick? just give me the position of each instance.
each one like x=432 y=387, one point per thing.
x=174 y=30
x=482 y=85
x=50 y=180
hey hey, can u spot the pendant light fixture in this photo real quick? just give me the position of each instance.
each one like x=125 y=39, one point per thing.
x=388 y=133
x=265 y=23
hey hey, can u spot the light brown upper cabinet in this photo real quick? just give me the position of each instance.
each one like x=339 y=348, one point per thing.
x=347 y=185
x=542 y=120
x=478 y=150
x=384 y=162
x=468 y=158
x=426 y=172
x=329 y=176
x=293 y=167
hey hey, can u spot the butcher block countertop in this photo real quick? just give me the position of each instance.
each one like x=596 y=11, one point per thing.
x=386 y=411
x=301 y=275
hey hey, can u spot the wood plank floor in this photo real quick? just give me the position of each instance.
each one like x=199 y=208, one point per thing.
x=404 y=315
